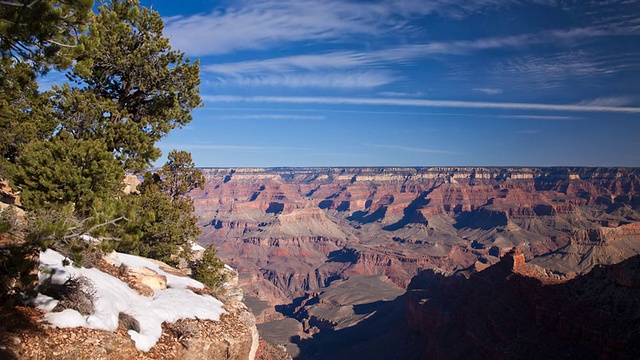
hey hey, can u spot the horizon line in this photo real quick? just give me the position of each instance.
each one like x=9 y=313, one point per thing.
x=428 y=167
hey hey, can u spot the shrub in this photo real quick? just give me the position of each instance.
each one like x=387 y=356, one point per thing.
x=208 y=270
x=183 y=328
x=17 y=273
x=164 y=223
x=76 y=293
x=128 y=322
x=10 y=226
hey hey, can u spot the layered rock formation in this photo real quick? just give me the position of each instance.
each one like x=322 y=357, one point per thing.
x=290 y=231
x=513 y=310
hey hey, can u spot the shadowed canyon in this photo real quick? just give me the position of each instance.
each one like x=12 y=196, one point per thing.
x=326 y=256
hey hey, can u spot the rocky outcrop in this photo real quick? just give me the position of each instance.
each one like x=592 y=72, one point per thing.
x=131 y=183
x=234 y=337
x=513 y=310
x=25 y=334
x=8 y=196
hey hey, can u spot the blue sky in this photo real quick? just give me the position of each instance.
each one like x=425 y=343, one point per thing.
x=410 y=83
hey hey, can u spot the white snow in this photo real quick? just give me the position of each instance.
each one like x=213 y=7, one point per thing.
x=197 y=247
x=89 y=239
x=114 y=296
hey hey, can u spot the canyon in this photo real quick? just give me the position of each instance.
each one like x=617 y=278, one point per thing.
x=321 y=251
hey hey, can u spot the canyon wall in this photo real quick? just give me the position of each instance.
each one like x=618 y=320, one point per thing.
x=513 y=310
x=294 y=230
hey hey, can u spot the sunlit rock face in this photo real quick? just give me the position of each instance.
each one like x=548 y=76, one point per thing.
x=290 y=231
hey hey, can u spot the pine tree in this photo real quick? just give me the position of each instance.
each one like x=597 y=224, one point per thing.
x=67 y=150
x=208 y=270
x=135 y=88
x=165 y=222
x=180 y=175
x=64 y=170
x=34 y=37
x=43 y=33
x=24 y=113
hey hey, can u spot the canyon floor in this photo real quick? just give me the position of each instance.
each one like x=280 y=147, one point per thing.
x=326 y=254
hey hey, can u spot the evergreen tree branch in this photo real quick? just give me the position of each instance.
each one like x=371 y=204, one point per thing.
x=60 y=44
x=88 y=231
x=9 y=3
x=105 y=238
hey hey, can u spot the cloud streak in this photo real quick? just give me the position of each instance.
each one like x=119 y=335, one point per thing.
x=260 y=24
x=417 y=113
x=404 y=54
x=537 y=117
x=272 y=117
x=343 y=69
x=489 y=91
x=357 y=79
x=558 y=70
x=418 y=103
x=334 y=60
x=608 y=101
x=263 y=24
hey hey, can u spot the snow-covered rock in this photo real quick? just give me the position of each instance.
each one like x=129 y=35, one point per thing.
x=114 y=297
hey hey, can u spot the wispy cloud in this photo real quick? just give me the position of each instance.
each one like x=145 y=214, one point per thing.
x=418 y=103
x=344 y=68
x=411 y=149
x=417 y=113
x=401 y=94
x=574 y=68
x=260 y=24
x=550 y=71
x=404 y=54
x=334 y=60
x=608 y=101
x=538 y=117
x=272 y=117
x=489 y=91
x=355 y=79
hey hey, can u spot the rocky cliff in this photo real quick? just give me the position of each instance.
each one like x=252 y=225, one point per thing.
x=513 y=310
x=290 y=231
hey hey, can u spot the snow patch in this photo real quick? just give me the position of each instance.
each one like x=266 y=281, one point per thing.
x=114 y=296
x=197 y=247
x=89 y=239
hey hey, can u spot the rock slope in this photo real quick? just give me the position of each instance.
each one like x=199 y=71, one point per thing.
x=513 y=310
